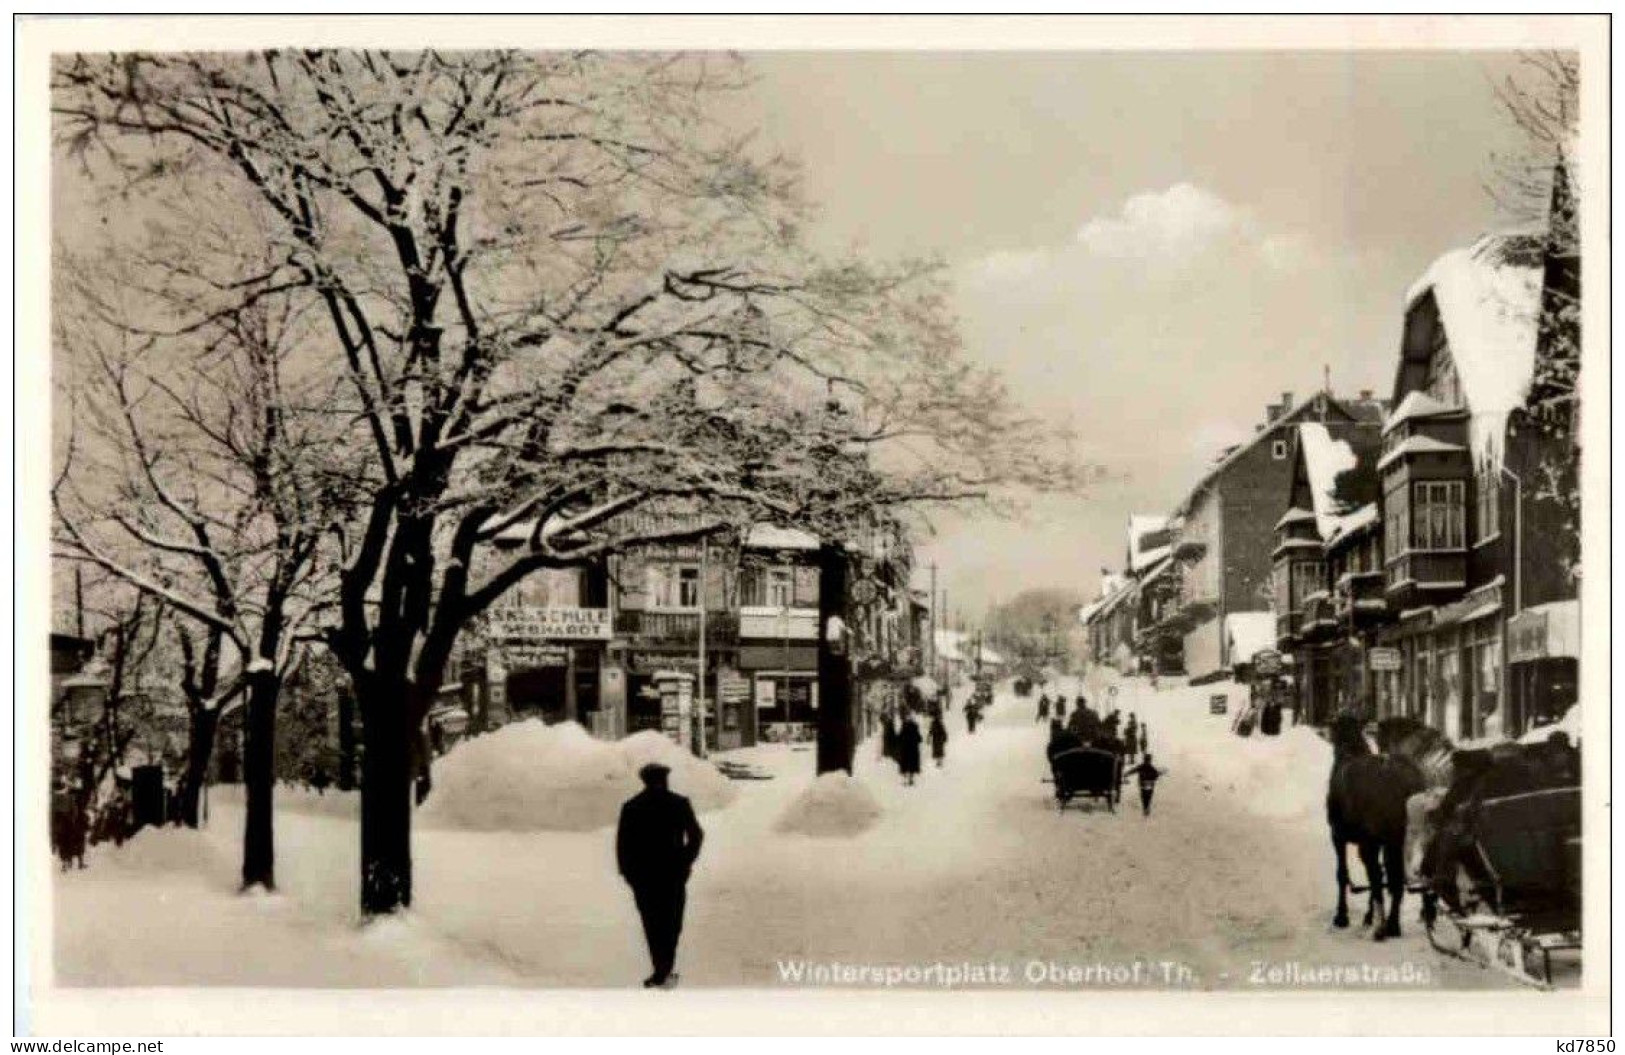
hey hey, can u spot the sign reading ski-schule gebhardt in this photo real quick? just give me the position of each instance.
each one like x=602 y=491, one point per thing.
x=535 y=623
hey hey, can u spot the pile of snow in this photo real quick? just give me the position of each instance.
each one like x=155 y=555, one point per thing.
x=531 y=777
x=836 y=805
x=1569 y=724
x=160 y=851
x=293 y=798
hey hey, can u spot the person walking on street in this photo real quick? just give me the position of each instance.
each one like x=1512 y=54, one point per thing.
x=1060 y=707
x=888 y=736
x=1147 y=774
x=939 y=739
x=908 y=750
x=1145 y=738
x=1043 y=706
x=1131 y=734
x=656 y=844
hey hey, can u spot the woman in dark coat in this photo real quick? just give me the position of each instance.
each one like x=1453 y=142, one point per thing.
x=888 y=736
x=908 y=749
x=939 y=739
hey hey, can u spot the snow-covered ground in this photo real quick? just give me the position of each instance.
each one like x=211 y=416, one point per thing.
x=973 y=865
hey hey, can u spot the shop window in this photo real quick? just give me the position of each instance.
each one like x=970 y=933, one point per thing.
x=1488 y=486
x=1437 y=515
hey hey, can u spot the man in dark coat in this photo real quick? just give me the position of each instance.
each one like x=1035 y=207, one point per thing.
x=656 y=845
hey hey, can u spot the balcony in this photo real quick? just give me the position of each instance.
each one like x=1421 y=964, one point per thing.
x=1319 y=617
x=677 y=627
x=773 y=623
x=1287 y=627
x=1433 y=575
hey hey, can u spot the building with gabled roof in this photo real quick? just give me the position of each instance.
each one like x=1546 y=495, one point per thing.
x=1223 y=531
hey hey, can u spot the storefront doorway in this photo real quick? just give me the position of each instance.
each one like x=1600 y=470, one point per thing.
x=539 y=692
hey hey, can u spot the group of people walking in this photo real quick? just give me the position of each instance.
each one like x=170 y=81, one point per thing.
x=901 y=741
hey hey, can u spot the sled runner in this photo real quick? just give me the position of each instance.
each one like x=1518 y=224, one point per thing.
x=1088 y=772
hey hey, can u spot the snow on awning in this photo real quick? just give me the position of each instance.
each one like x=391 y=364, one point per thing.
x=925 y=685
x=1545 y=631
x=1418 y=445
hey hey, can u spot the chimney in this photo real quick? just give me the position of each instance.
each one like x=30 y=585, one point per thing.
x=1365 y=395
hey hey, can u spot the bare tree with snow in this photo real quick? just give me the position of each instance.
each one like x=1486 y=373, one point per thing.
x=186 y=473
x=564 y=302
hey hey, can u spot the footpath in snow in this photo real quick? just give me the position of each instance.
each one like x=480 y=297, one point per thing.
x=516 y=883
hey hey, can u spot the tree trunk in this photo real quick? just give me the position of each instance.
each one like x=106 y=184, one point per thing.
x=346 y=774
x=199 y=752
x=259 y=779
x=386 y=805
x=835 y=746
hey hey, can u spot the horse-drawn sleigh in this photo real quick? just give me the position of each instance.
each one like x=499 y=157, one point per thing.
x=1504 y=875
x=1087 y=772
x=1489 y=836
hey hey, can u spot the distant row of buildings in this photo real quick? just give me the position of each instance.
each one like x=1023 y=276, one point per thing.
x=1416 y=554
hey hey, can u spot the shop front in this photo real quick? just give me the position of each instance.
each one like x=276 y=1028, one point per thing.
x=664 y=692
x=1543 y=664
x=784 y=690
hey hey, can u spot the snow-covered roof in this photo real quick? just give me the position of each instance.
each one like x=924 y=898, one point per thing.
x=1139 y=526
x=1347 y=525
x=1156 y=571
x=767 y=536
x=1489 y=306
x=1324 y=458
x=1417 y=445
x=1248 y=633
x=1293 y=516
x=1417 y=404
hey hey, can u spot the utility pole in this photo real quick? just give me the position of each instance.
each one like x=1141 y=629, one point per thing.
x=931 y=628
x=705 y=554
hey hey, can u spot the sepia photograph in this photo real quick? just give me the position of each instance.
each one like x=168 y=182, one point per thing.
x=651 y=515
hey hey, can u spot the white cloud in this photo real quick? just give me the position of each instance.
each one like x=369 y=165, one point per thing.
x=1169 y=226
x=1153 y=233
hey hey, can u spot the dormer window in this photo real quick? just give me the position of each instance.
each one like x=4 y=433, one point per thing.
x=1278 y=449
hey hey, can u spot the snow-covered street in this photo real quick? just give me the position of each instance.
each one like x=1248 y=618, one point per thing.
x=1229 y=878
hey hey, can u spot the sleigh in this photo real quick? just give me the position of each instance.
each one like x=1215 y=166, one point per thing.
x=1516 y=886
x=1087 y=772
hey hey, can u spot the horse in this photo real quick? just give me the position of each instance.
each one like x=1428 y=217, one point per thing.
x=1366 y=803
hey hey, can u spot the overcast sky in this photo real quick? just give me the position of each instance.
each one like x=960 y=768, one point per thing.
x=1152 y=246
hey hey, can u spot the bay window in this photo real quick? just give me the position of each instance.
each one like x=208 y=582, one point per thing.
x=1437 y=515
